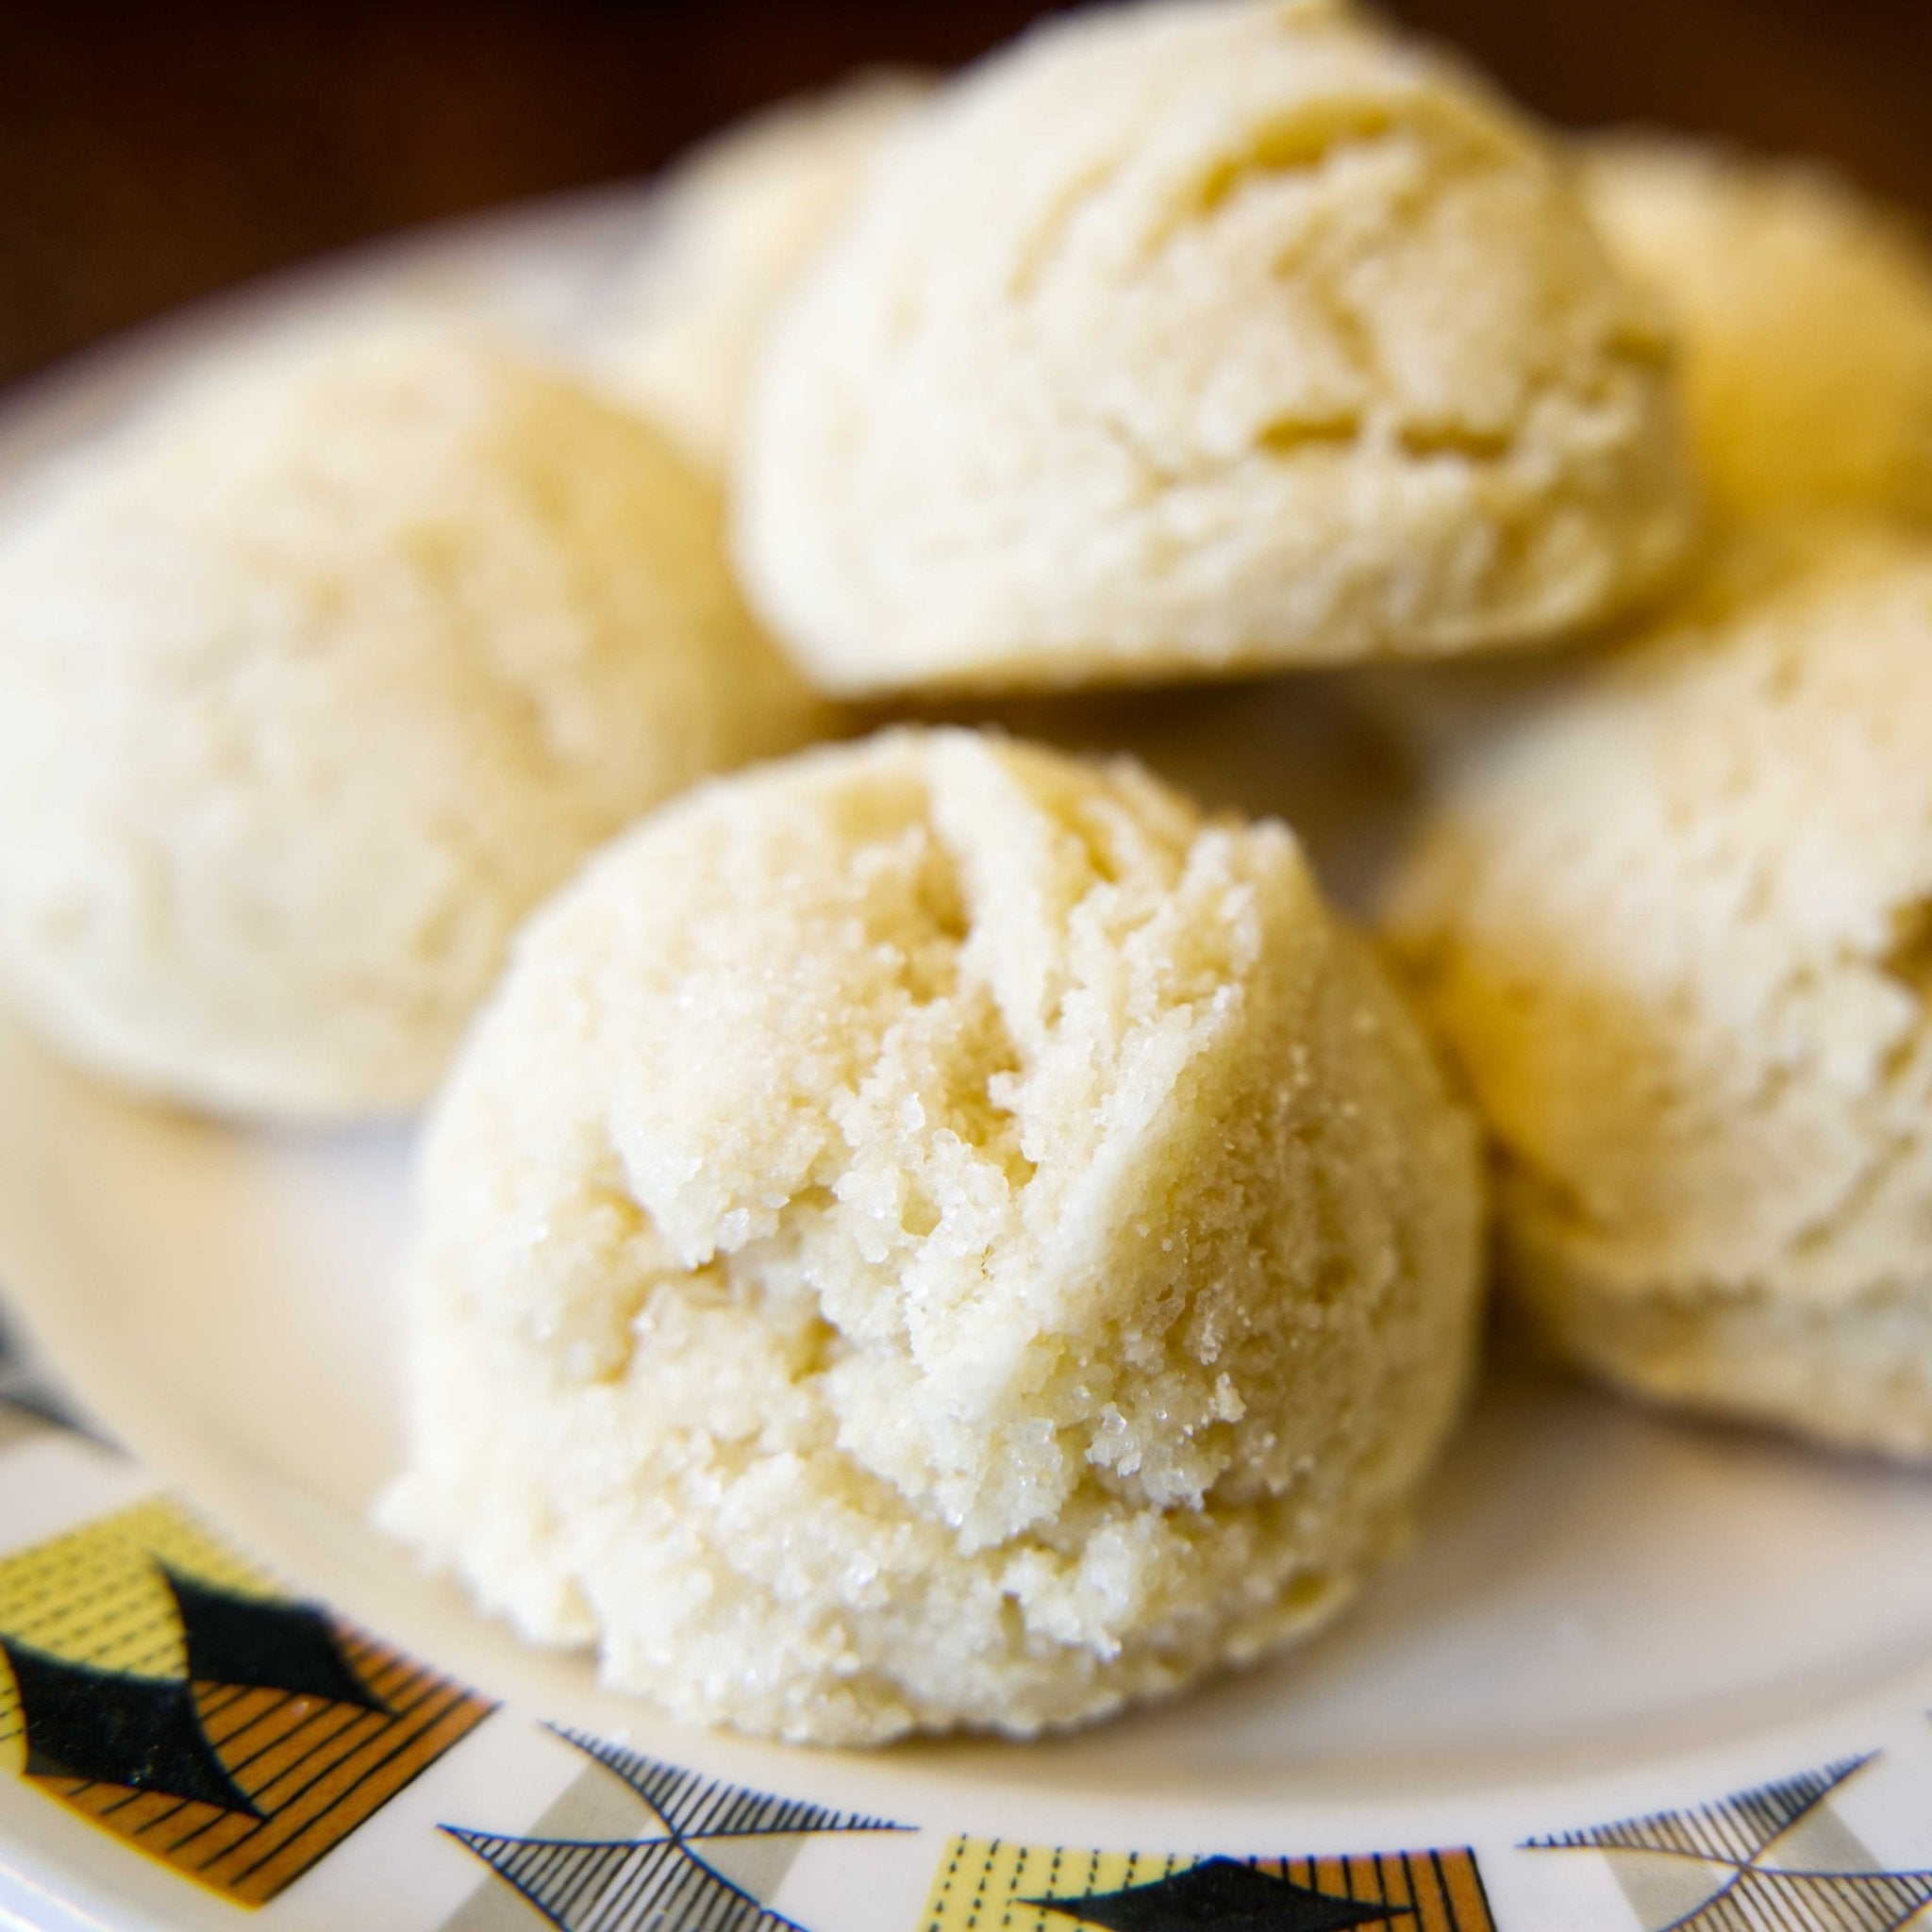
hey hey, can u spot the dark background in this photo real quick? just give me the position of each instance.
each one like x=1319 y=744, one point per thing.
x=149 y=154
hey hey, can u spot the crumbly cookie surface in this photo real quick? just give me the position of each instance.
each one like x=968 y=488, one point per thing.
x=1183 y=338
x=1674 y=925
x=934 y=1233
x=1804 y=314
x=733 y=230
x=316 y=677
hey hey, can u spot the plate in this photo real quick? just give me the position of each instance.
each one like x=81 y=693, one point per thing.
x=1632 y=1672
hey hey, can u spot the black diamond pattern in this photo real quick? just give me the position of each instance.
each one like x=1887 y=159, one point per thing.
x=1222 y=1895
x=114 y=1729
x=278 y=1646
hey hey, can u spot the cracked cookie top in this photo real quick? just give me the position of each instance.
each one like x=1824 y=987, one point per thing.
x=934 y=1232
x=1196 y=337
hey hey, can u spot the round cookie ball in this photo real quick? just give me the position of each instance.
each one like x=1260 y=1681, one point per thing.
x=732 y=231
x=1185 y=339
x=1805 y=315
x=1677 y=929
x=315 y=678
x=934 y=1233
x=1804 y=319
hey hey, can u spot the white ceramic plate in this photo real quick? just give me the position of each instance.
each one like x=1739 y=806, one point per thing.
x=1605 y=1614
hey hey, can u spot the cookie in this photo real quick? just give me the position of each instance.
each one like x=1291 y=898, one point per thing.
x=315 y=678
x=1676 y=928
x=733 y=229
x=934 y=1233
x=1185 y=339
x=1804 y=317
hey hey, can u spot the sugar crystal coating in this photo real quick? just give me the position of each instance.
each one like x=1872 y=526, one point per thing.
x=934 y=1233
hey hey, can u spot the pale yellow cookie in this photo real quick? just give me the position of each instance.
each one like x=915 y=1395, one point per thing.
x=1677 y=926
x=934 y=1233
x=732 y=230
x=1183 y=338
x=1804 y=318
x=315 y=678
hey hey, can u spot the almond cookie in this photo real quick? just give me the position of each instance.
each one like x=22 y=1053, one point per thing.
x=1181 y=340
x=1804 y=316
x=732 y=231
x=1677 y=927
x=934 y=1233
x=315 y=678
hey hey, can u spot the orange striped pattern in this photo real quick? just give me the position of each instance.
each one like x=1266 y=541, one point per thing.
x=1442 y=1891
x=316 y=1769
x=94 y=1596
x=983 y=1885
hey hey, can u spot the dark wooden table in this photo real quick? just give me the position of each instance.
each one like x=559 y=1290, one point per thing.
x=149 y=154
